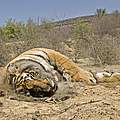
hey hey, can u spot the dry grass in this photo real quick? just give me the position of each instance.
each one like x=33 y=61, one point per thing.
x=97 y=38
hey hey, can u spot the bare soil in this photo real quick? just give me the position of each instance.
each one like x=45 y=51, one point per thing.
x=72 y=101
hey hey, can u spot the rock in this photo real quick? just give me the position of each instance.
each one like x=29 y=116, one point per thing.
x=2 y=93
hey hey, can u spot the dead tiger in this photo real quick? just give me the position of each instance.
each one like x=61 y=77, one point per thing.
x=31 y=80
x=50 y=66
x=63 y=65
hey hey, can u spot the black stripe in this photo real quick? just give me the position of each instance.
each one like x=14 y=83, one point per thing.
x=39 y=56
x=45 y=53
x=50 y=61
x=32 y=61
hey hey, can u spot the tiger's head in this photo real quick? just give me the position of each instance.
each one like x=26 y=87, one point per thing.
x=28 y=85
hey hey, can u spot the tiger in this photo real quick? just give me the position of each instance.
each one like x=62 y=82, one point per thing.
x=35 y=87
x=39 y=70
x=63 y=65
x=26 y=67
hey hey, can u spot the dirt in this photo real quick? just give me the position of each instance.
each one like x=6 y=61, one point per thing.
x=72 y=101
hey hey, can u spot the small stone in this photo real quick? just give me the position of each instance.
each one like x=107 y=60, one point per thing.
x=1 y=104
x=2 y=93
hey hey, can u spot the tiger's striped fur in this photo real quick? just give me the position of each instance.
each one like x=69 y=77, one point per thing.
x=35 y=87
x=35 y=65
x=64 y=65
x=46 y=63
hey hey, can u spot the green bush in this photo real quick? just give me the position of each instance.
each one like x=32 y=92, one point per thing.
x=12 y=29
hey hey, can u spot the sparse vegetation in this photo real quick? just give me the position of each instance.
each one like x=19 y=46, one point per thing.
x=80 y=34
x=93 y=36
x=12 y=29
x=99 y=38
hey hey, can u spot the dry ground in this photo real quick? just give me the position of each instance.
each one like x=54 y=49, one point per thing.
x=77 y=102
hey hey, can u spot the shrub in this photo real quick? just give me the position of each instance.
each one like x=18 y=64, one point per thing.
x=80 y=34
x=12 y=29
x=105 y=50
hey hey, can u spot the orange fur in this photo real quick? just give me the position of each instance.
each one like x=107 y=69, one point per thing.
x=61 y=61
x=46 y=63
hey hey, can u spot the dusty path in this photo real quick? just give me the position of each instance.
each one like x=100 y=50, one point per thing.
x=100 y=102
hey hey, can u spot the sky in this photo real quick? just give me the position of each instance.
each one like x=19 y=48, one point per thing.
x=21 y=10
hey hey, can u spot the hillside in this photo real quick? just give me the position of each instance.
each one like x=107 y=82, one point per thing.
x=93 y=42
x=94 y=36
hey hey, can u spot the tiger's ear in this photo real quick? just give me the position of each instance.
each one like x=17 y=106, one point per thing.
x=10 y=65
